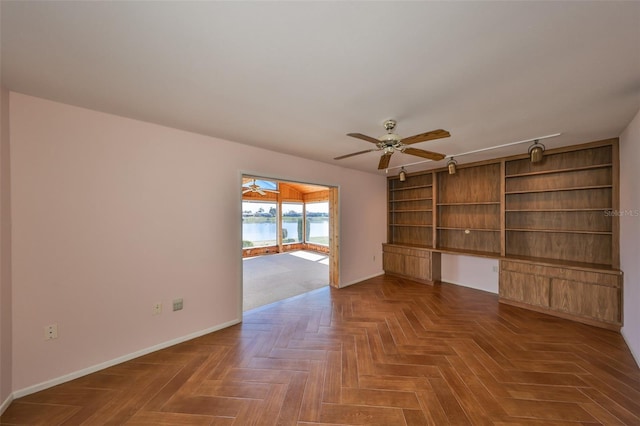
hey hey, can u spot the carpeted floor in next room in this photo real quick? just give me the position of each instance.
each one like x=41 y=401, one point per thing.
x=269 y=278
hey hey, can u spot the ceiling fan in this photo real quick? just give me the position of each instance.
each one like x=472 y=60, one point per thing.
x=391 y=142
x=255 y=188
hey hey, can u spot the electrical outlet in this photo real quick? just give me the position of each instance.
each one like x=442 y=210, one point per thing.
x=177 y=304
x=50 y=331
x=495 y=269
x=157 y=308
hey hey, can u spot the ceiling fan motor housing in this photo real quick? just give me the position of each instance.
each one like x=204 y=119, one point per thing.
x=390 y=138
x=389 y=125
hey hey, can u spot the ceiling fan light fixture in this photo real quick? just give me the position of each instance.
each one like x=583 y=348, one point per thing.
x=253 y=187
x=391 y=142
x=402 y=175
x=536 y=151
x=451 y=165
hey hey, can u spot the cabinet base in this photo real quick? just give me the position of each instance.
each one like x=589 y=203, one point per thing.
x=567 y=316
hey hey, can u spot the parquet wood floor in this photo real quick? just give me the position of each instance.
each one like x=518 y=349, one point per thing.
x=386 y=351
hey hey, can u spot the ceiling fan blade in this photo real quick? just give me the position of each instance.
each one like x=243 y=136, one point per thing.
x=426 y=136
x=384 y=160
x=363 y=137
x=355 y=153
x=424 y=154
x=261 y=192
x=246 y=190
x=271 y=190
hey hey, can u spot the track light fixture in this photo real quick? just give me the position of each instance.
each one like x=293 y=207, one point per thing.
x=536 y=151
x=536 y=156
x=402 y=175
x=451 y=165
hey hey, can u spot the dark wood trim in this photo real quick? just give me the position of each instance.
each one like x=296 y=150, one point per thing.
x=334 y=237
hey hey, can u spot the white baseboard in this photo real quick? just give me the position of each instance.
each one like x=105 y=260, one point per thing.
x=76 y=374
x=5 y=404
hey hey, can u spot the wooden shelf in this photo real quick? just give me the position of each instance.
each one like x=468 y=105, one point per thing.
x=579 y=266
x=557 y=211
x=567 y=170
x=478 y=203
x=560 y=231
x=411 y=211
x=477 y=253
x=411 y=234
x=416 y=246
x=450 y=228
x=471 y=185
x=406 y=188
x=575 y=188
x=550 y=210
x=469 y=201
x=411 y=199
x=575 y=158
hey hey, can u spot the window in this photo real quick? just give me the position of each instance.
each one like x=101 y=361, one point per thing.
x=292 y=222
x=317 y=215
x=258 y=224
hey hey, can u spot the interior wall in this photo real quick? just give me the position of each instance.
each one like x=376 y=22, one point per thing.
x=630 y=232
x=112 y=215
x=5 y=253
x=470 y=271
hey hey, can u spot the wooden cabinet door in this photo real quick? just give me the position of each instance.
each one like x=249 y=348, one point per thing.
x=417 y=267
x=411 y=262
x=393 y=263
x=525 y=288
x=587 y=300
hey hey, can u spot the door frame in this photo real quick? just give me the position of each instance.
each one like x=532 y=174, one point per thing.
x=334 y=227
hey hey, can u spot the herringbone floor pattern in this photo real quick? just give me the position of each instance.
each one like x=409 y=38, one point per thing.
x=383 y=352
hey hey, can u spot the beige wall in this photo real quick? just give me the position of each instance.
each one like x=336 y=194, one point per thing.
x=630 y=232
x=111 y=215
x=5 y=254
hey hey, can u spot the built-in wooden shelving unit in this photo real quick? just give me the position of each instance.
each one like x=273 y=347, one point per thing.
x=468 y=209
x=411 y=211
x=578 y=186
x=549 y=223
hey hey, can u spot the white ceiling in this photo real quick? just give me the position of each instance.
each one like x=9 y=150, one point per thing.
x=295 y=77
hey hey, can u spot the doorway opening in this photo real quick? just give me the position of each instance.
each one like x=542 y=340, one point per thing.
x=289 y=239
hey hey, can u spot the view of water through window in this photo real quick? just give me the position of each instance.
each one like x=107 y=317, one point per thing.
x=259 y=223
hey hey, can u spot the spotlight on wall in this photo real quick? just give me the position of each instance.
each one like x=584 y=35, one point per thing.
x=402 y=175
x=451 y=165
x=536 y=151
